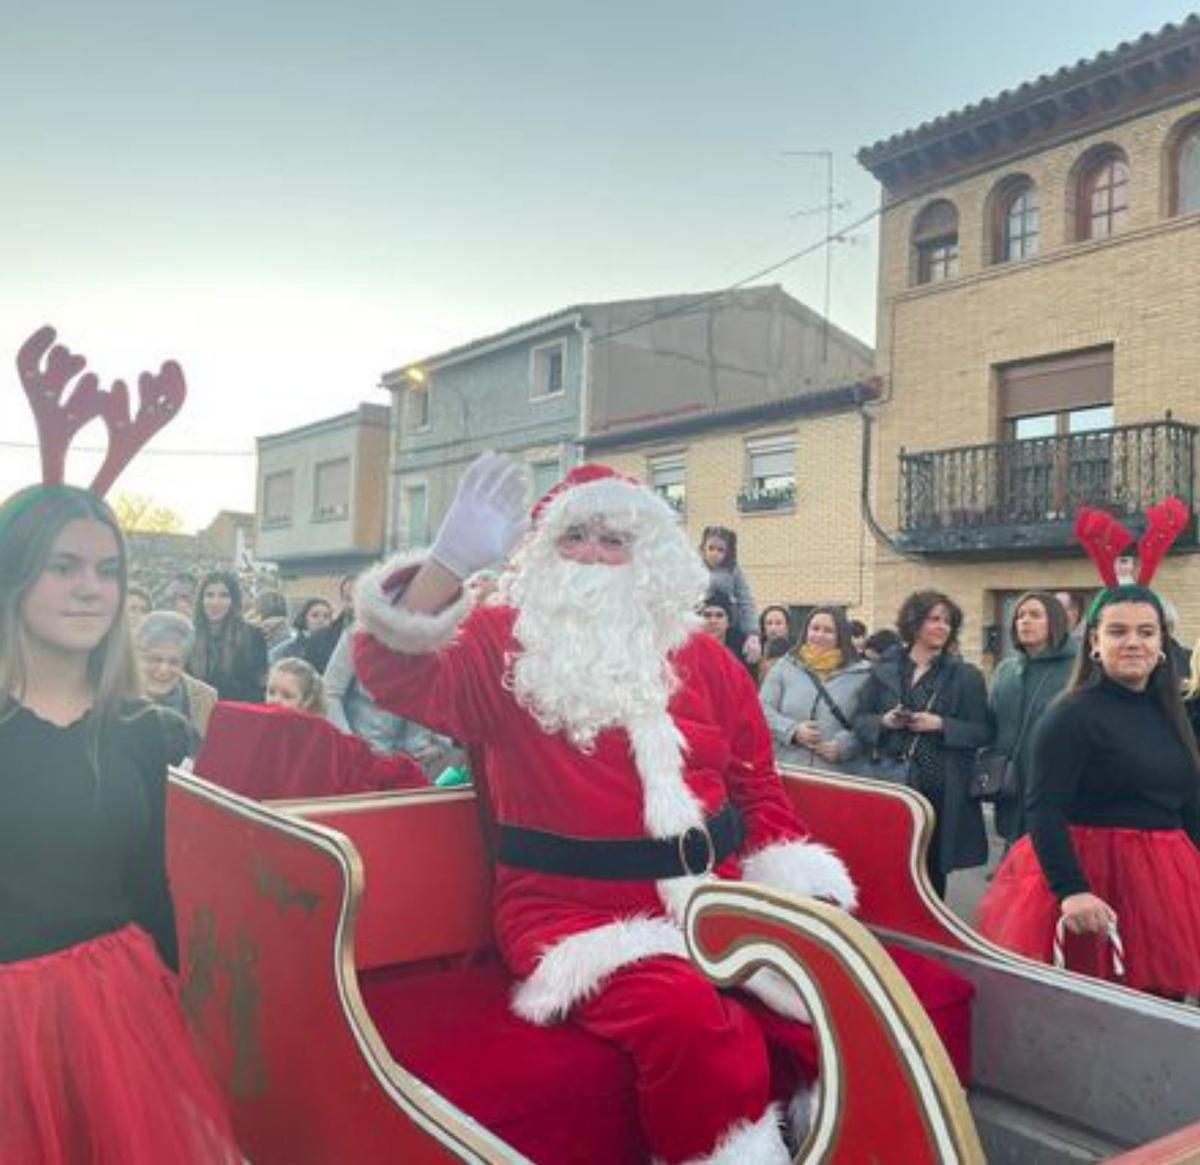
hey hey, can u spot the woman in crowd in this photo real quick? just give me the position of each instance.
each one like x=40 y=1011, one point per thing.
x=1113 y=808
x=314 y=616
x=96 y=1063
x=811 y=695
x=775 y=634
x=294 y=684
x=321 y=644
x=1022 y=689
x=924 y=713
x=718 y=547
x=164 y=643
x=138 y=605
x=270 y=617
x=229 y=653
x=718 y=615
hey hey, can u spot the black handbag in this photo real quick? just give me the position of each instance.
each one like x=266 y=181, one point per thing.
x=995 y=777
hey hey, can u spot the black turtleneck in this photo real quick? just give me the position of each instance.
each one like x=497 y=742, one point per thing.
x=82 y=831
x=1108 y=757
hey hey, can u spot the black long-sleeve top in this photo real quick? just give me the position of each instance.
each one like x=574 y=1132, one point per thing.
x=82 y=845
x=1108 y=757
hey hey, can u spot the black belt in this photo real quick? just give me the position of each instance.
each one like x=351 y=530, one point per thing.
x=694 y=852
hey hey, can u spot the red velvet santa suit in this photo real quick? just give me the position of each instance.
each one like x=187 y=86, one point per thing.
x=611 y=955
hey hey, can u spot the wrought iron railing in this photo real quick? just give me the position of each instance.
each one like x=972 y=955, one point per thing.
x=978 y=496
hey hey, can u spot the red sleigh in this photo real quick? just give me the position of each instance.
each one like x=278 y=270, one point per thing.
x=337 y=970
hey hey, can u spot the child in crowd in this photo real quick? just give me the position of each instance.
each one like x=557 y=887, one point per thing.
x=718 y=546
x=294 y=683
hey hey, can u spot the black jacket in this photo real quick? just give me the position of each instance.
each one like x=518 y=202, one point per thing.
x=961 y=702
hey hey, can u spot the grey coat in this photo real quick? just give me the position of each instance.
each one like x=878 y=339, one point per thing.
x=790 y=696
x=731 y=581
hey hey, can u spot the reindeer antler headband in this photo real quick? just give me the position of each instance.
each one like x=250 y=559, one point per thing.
x=46 y=368
x=1105 y=539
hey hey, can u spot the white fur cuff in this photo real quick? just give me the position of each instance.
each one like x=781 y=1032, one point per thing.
x=576 y=967
x=402 y=630
x=778 y=994
x=758 y=1142
x=803 y=867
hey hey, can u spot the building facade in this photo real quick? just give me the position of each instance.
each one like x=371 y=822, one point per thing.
x=540 y=391
x=1039 y=281
x=321 y=499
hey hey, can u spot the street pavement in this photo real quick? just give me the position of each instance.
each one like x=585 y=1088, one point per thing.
x=966 y=887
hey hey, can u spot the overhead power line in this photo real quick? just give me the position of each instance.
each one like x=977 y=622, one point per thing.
x=141 y=453
x=837 y=236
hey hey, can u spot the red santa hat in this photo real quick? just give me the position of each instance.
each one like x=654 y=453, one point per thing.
x=590 y=491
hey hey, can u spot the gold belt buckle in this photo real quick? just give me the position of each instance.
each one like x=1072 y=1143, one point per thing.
x=711 y=859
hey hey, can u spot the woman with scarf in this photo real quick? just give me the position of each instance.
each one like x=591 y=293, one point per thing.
x=1023 y=688
x=230 y=654
x=924 y=714
x=810 y=696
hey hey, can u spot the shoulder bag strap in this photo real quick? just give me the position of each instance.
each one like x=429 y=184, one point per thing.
x=823 y=694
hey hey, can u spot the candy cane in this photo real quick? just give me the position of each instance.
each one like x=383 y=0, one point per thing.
x=1114 y=938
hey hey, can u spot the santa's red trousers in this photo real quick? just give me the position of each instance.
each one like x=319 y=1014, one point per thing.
x=700 y=1056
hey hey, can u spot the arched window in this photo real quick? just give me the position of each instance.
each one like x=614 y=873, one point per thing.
x=1186 y=171
x=1103 y=207
x=1016 y=221
x=935 y=237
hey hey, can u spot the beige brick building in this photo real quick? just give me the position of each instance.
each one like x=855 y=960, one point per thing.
x=1038 y=340
x=799 y=544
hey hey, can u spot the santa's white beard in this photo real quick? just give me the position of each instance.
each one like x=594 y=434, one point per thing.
x=594 y=643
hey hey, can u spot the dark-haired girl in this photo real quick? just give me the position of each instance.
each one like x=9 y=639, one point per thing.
x=230 y=654
x=96 y=1064
x=924 y=713
x=314 y=616
x=1113 y=808
x=718 y=547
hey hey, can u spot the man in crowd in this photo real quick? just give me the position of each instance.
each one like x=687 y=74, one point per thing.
x=626 y=759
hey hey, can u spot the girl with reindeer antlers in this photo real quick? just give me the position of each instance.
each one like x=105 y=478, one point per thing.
x=96 y=1063
x=1108 y=879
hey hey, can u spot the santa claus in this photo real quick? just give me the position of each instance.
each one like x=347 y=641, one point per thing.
x=626 y=759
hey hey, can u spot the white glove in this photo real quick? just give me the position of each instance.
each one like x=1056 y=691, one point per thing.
x=485 y=520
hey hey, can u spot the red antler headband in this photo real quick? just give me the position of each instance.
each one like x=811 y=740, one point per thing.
x=46 y=367
x=1105 y=539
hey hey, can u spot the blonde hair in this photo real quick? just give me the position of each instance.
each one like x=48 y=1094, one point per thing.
x=312 y=686
x=30 y=523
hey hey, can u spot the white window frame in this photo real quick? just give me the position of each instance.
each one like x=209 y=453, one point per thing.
x=410 y=409
x=409 y=487
x=765 y=447
x=668 y=463
x=270 y=522
x=332 y=513
x=536 y=355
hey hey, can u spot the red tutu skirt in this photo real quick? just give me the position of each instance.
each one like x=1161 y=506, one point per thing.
x=97 y=1066
x=1150 y=877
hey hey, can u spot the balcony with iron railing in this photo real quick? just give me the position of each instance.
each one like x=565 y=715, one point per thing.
x=1013 y=497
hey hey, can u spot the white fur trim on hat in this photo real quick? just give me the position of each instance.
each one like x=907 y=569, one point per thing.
x=750 y=1143
x=614 y=498
x=803 y=867
x=576 y=967
x=409 y=632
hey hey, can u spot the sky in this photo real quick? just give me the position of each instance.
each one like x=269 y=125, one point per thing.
x=292 y=198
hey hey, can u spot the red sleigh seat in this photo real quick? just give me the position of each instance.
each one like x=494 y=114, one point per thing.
x=558 y=1094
